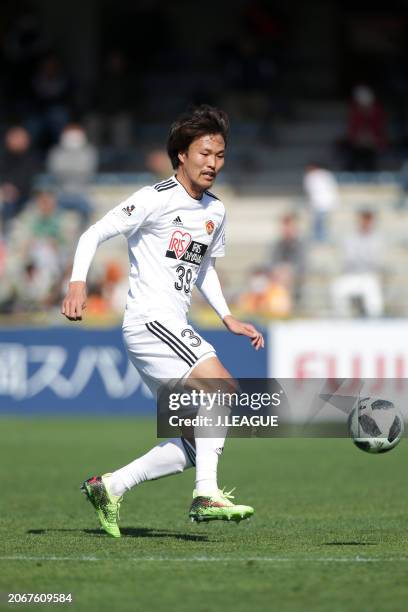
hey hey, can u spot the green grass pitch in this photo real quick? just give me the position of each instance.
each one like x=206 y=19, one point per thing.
x=329 y=533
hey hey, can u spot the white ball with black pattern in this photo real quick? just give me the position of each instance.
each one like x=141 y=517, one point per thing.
x=375 y=425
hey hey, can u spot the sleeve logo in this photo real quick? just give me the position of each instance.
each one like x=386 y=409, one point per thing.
x=128 y=210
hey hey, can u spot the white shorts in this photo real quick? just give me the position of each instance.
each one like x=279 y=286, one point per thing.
x=165 y=349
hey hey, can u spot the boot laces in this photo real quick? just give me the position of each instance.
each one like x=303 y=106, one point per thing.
x=227 y=495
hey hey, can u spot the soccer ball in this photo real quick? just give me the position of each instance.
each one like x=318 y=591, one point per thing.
x=375 y=425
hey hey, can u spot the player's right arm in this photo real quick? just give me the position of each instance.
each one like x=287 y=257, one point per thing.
x=125 y=219
x=75 y=300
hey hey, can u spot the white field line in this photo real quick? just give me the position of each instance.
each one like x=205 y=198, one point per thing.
x=204 y=559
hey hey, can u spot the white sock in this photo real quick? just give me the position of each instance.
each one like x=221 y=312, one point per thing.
x=170 y=457
x=207 y=452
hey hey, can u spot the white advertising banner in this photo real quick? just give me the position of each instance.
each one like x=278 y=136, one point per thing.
x=371 y=357
x=339 y=349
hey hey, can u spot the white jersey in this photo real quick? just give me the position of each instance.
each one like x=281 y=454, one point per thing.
x=169 y=234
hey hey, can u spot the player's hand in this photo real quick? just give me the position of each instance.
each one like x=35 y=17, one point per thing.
x=245 y=329
x=75 y=301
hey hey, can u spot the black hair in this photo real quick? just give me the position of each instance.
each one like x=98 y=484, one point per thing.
x=188 y=127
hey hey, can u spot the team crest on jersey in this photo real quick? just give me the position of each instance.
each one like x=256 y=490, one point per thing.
x=209 y=226
x=128 y=210
x=179 y=243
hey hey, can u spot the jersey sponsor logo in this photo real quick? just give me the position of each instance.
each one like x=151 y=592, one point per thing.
x=128 y=210
x=179 y=243
x=209 y=226
x=189 y=251
x=177 y=221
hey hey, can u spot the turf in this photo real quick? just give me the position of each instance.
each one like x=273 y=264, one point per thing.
x=330 y=530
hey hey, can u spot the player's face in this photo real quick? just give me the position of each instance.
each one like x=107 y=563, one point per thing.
x=203 y=160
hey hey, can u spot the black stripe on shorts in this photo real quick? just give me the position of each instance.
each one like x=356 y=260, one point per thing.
x=177 y=340
x=175 y=347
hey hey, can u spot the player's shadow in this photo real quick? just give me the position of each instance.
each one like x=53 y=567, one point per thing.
x=130 y=532
x=349 y=543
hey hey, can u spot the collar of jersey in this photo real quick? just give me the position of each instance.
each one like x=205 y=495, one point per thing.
x=186 y=192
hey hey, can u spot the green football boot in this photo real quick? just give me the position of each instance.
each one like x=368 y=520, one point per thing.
x=217 y=507
x=106 y=505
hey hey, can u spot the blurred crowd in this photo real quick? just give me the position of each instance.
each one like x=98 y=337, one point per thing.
x=38 y=228
x=250 y=73
x=44 y=92
x=357 y=289
x=50 y=124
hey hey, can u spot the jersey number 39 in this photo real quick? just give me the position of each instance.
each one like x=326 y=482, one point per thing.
x=184 y=279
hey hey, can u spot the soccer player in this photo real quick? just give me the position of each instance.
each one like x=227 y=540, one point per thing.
x=175 y=231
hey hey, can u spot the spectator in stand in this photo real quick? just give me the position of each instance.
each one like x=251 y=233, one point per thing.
x=17 y=172
x=403 y=183
x=111 y=121
x=366 y=130
x=268 y=293
x=6 y=286
x=322 y=193
x=44 y=248
x=278 y=301
x=50 y=94
x=363 y=260
x=252 y=300
x=46 y=222
x=116 y=286
x=97 y=304
x=3 y=253
x=73 y=164
x=24 y=43
x=290 y=250
x=30 y=291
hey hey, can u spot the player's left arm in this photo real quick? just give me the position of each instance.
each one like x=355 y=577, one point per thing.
x=209 y=285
